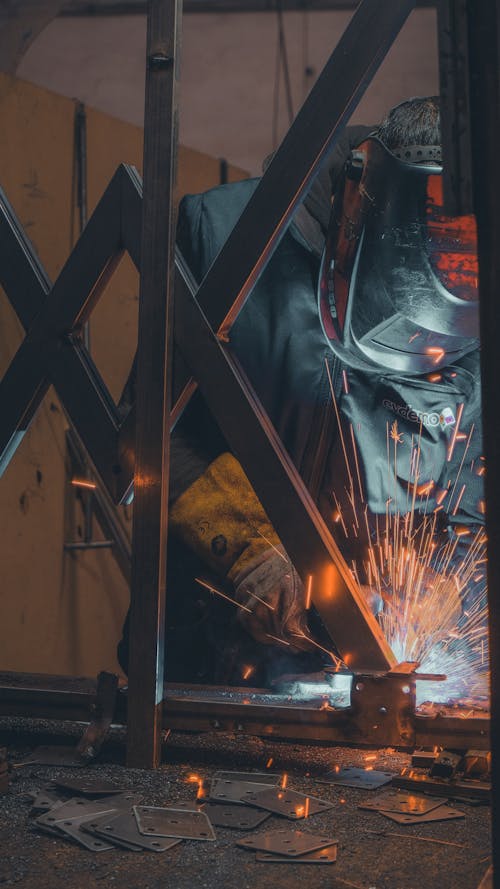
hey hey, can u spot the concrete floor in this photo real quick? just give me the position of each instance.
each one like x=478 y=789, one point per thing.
x=370 y=856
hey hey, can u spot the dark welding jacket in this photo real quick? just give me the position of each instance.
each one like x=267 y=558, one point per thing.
x=278 y=339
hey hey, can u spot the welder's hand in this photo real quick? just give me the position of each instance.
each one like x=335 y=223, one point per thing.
x=273 y=592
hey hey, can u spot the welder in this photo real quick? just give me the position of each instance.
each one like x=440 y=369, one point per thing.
x=370 y=301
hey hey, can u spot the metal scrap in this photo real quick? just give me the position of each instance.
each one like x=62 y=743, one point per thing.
x=446 y=765
x=70 y=827
x=286 y=842
x=366 y=779
x=249 y=777
x=53 y=756
x=229 y=790
x=452 y=789
x=89 y=786
x=328 y=855
x=123 y=828
x=236 y=817
x=441 y=813
x=288 y=803
x=414 y=836
x=171 y=822
x=81 y=807
x=403 y=803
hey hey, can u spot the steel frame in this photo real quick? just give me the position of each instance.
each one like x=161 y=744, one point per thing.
x=52 y=352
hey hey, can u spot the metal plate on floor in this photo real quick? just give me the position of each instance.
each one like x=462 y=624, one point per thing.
x=237 y=817
x=54 y=756
x=124 y=829
x=328 y=855
x=366 y=779
x=286 y=842
x=71 y=828
x=91 y=827
x=225 y=790
x=249 y=777
x=44 y=801
x=79 y=807
x=289 y=803
x=89 y=787
x=442 y=813
x=181 y=823
x=403 y=803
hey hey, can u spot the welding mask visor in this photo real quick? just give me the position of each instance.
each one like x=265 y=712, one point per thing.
x=398 y=281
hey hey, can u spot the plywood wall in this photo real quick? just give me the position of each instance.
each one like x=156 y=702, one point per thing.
x=62 y=612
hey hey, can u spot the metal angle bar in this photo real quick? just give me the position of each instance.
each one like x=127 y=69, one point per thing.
x=22 y=275
x=104 y=510
x=484 y=70
x=138 y=7
x=150 y=520
x=454 y=97
x=278 y=485
x=56 y=697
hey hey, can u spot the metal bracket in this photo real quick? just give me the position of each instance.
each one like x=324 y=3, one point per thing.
x=103 y=710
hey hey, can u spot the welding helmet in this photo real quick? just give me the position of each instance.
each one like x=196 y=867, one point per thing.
x=398 y=280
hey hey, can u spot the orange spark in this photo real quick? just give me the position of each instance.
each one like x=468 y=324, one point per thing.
x=222 y=595
x=284 y=781
x=434 y=378
x=269 y=762
x=309 y=592
x=306 y=809
x=248 y=672
x=83 y=483
x=436 y=353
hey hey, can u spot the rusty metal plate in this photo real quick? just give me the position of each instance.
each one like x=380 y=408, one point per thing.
x=80 y=807
x=328 y=855
x=180 y=823
x=90 y=787
x=54 y=756
x=366 y=779
x=286 y=842
x=403 y=803
x=442 y=813
x=249 y=777
x=237 y=817
x=123 y=828
x=289 y=803
x=226 y=790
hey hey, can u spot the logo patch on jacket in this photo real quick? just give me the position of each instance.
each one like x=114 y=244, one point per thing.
x=444 y=418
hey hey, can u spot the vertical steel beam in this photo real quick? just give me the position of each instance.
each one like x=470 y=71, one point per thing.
x=484 y=56
x=153 y=387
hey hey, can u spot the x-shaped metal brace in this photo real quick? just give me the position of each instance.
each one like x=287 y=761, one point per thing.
x=53 y=352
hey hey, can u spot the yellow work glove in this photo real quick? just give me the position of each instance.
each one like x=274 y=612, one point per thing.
x=220 y=518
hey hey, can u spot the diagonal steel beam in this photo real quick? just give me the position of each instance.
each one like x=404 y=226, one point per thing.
x=278 y=485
